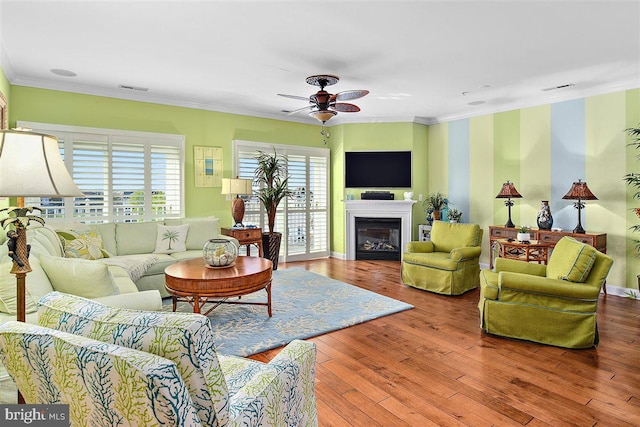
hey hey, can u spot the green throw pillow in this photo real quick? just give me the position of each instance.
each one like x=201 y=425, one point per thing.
x=571 y=260
x=85 y=244
x=37 y=285
x=81 y=277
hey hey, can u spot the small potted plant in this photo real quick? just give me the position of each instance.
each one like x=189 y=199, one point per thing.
x=523 y=234
x=435 y=203
x=454 y=215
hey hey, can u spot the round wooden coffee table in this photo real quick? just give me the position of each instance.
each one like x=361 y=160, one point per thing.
x=198 y=284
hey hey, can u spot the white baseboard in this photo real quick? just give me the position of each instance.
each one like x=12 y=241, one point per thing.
x=338 y=255
x=622 y=292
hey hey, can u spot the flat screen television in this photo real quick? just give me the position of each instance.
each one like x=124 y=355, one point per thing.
x=377 y=169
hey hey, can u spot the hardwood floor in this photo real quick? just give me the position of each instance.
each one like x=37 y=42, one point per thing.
x=433 y=366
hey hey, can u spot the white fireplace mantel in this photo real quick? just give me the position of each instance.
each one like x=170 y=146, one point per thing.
x=376 y=209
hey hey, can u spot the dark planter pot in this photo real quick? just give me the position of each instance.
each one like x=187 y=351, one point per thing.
x=271 y=247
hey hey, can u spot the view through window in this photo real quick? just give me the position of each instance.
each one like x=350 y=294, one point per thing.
x=125 y=176
x=303 y=219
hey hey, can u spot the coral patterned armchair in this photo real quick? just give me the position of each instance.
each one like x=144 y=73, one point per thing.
x=156 y=369
x=449 y=264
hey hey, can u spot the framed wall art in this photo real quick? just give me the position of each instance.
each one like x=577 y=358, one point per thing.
x=208 y=166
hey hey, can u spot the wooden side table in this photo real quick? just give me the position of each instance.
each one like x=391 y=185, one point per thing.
x=246 y=236
x=534 y=251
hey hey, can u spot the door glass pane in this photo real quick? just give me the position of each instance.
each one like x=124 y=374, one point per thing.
x=304 y=217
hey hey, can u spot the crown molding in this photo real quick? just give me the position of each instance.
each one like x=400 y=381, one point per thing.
x=124 y=94
x=574 y=93
x=5 y=63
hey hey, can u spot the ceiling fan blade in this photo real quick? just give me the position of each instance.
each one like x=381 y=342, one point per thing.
x=301 y=98
x=350 y=94
x=308 y=107
x=345 y=108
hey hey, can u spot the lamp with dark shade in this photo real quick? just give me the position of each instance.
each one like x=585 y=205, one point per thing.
x=508 y=191
x=579 y=191
x=238 y=187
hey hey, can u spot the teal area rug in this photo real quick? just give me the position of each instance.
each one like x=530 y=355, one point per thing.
x=305 y=305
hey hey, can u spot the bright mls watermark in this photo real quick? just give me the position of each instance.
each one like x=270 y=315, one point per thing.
x=34 y=415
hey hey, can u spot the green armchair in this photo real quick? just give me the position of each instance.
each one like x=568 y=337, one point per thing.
x=449 y=264
x=552 y=304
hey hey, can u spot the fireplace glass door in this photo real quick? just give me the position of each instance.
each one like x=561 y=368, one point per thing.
x=378 y=238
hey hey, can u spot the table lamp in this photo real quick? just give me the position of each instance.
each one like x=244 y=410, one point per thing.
x=508 y=191
x=237 y=186
x=30 y=166
x=579 y=191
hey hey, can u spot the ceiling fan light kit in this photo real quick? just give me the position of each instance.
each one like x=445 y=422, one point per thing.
x=322 y=115
x=324 y=105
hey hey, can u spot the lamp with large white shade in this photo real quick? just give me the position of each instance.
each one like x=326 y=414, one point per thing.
x=30 y=166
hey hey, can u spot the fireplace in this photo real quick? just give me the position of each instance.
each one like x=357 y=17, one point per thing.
x=378 y=238
x=376 y=209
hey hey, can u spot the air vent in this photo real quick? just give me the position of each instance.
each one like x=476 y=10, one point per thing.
x=558 y=87
x=139 y=89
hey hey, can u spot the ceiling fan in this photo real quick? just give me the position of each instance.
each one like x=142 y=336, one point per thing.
x=324 y=105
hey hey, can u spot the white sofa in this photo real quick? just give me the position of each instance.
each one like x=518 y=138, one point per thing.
x=129 y=238
x=108 y=284
x=106 y=280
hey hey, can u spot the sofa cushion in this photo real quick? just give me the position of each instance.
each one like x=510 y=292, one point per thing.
x=124 y=284
x=186 y=255
x=37 y=285
x=439 y=260
x=184 y=338
x=85 y=244
x=136 y=237
x=78 y=276
x=447 y=236
x=44 y=240
x=200 y=230
x=571 y=260
x=107 y=231
x=164 y=261
x=171 y=239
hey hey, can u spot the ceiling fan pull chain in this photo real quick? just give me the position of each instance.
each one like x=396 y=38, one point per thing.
x=325 y=135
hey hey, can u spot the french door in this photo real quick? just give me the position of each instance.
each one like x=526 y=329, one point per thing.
x=303 y=219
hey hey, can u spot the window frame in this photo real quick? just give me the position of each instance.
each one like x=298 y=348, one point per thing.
x=283 y=208
x=146 y=140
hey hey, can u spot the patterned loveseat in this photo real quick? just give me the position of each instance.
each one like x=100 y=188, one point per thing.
x=117 y=366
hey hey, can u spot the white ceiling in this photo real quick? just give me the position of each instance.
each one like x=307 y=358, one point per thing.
x=415 y=57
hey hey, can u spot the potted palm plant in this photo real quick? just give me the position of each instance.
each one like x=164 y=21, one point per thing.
x=271 y=174
x=633 y=181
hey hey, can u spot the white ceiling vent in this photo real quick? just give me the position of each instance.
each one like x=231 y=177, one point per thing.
x=139 y=89
x=558 y=87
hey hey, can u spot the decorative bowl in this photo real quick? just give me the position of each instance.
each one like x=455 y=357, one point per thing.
x=219 y=252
